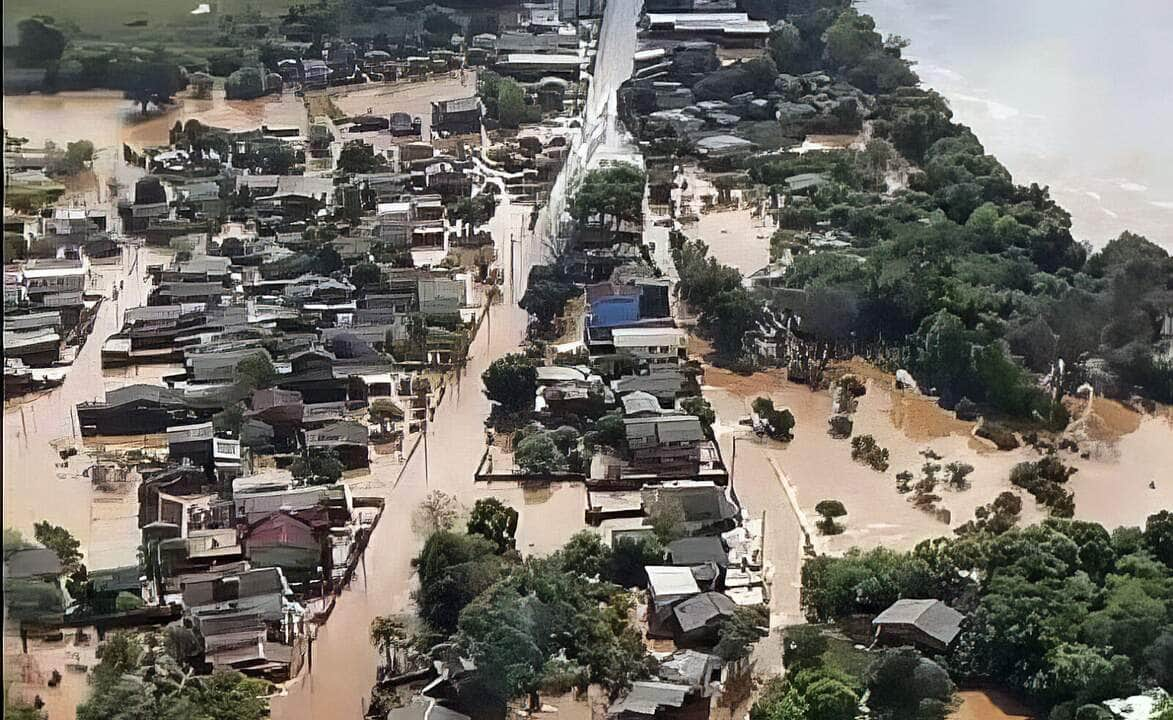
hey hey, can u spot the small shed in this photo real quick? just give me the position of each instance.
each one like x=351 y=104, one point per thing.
x=927 y=624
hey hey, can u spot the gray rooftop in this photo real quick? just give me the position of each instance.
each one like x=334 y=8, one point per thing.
x=932 y=617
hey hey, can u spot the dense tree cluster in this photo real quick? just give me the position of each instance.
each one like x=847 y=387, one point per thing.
x=148 y=677
x=727 y=310
x=1064 y=611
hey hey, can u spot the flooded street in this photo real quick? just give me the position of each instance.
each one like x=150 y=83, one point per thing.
x=343 y=659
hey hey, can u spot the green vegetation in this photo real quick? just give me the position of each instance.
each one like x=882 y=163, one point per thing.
x=1044 y=479
x=865 y=450
x=505 y=100
x=546 y=295
x=1063 y=611
x=148 y=677
x=979 y=277
x=558 y=622
x=359 y=157
x=538 y=454
x=512 y=382
x=697 y=405
x=727 y=310
x=779 y=423
x=317 y=467
x=494 y=521
x=613 y=194
x=830 y=510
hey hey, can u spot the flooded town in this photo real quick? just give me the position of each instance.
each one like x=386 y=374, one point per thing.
x=569 y=360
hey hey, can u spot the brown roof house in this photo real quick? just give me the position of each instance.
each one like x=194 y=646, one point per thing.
x=927 y=624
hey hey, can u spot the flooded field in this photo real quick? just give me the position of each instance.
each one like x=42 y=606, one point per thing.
x=1111 y=487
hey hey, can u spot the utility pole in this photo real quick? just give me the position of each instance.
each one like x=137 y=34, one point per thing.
x=426 y=479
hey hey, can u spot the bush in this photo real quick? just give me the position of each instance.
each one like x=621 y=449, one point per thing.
x=865 y=450
x=245 y=84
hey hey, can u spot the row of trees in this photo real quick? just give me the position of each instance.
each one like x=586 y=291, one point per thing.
x=1064 y=611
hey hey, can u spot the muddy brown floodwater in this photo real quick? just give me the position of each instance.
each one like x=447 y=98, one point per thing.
x=344 y=662
x=1111 y=487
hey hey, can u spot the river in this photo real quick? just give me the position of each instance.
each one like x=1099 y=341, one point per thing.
x=1075 y=95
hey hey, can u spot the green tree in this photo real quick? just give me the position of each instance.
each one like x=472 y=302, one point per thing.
x=538 y=454
x=630 y=557
x=365 y=275
x=831 y=699
x=255 y=372
x=613 y=193
x=739 y=632
x=780 y=423
x=729 y=318
x=511 y=381
x=903 y=684
x=245 y=84
x=546 y=295
x=510 y=103
x=358 y=157
x=495 y=521
x=387 y=635
x=830 y=510
x=1158 y=536
x=61 y=542
x=453 y=570
x=40 y=42
x=317 y=467
x=473 y=211
x=700 y=407
x=150 y=82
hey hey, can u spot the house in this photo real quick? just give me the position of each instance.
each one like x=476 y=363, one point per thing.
x=667 y=585
x=612 y=305
x=647 y=700
x=190 y=441
x=261 y=590
x=314 y=73
x=251 y=506
x=706 y=506
x=666 y=445
x=108 y=583
x=696 y=620
x=690 y=551
x=55 y=282
x=666 y=386
x=135 y=410
x=349 y=439
x=239 y=640
x=928 y=624
x=35 y=348
x=731 y=29
x=699 y=671
x=534 y=66
x=294 y=541
x=658 y=348
x=457 y=117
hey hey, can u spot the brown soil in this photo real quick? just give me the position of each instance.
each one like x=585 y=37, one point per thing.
x=989 y=705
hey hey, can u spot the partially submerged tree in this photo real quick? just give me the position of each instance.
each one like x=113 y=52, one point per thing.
x=512 y=382
x=614 y=194
x=830 y=510
x=495 y=521
x=538 y=454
